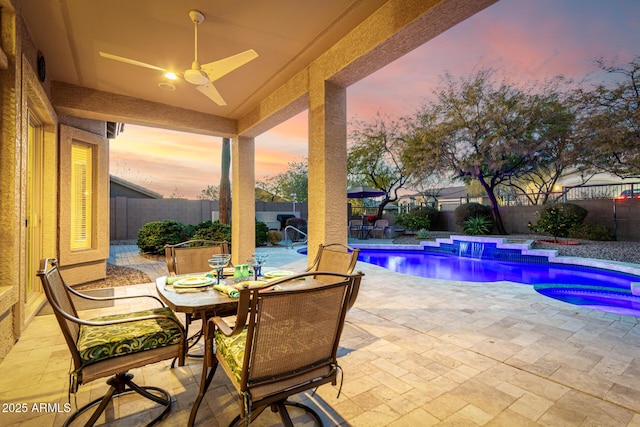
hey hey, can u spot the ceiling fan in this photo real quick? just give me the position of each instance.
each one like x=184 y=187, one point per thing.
x=202 y=76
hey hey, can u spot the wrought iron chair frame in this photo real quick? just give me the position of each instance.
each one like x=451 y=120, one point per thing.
x=121 y=382
x=249 y=318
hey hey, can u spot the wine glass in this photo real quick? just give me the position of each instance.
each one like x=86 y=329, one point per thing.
x=261 y=259
x=219 y=262
x=257 y=261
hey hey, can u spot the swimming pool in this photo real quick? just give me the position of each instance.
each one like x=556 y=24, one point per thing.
x=489 y=260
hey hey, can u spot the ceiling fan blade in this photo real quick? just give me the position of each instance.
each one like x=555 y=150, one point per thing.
x=212 y=93
x=130 y=61
x=217 y=69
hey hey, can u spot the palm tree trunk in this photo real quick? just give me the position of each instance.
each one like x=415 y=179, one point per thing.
x=225 y=183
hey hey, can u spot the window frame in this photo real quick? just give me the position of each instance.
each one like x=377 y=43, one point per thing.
x=98 y=249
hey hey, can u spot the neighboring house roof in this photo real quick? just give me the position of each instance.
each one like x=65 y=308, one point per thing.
x=453 y=192
x=121 y=188
x=266 y=196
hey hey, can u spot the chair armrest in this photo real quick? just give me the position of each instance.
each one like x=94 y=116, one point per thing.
x=79 y=321
x=89 y=297
x=241 y=315
x=219 y=322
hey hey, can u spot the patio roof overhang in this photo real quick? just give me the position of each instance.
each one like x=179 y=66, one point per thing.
x=345 y=40
x=308 y=56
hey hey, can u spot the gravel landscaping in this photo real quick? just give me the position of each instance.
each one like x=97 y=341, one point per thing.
x=116 y=276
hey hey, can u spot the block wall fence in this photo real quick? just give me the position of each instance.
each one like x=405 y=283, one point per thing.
x=128 y=215
x=621 y=215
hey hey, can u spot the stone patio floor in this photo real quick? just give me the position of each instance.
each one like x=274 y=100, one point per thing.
x=415 y=352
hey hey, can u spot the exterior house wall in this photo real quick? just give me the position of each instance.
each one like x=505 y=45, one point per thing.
x=118 y=190
x=87 y=264
x=21 y=91
x=25 y=95
x=118 y=187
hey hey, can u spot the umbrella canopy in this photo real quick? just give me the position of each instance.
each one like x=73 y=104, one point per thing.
x=362 y=191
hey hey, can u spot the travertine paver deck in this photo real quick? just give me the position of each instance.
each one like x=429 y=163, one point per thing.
x=414 y=352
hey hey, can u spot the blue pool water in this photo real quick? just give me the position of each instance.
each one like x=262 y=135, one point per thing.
x=595 y=288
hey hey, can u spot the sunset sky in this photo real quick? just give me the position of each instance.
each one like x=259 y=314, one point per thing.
x=527 y=39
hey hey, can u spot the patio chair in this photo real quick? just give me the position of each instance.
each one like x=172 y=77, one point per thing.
x=192 y=256
x=284 y=341
x=114 y=344
x=355 y=226
x=380 y=228
x=335 y=257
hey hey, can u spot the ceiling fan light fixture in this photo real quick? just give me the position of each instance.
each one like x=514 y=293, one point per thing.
x=201 y=76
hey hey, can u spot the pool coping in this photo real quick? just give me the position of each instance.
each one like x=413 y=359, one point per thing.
x=525 y=249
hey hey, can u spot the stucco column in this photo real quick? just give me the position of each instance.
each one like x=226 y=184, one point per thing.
x=327 y=164
x=243 y=199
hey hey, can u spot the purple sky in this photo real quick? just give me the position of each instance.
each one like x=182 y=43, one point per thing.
x=525 y=39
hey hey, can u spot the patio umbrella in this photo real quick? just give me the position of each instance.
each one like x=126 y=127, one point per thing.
x=362 y=191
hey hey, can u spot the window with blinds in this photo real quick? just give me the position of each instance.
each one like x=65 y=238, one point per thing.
x=81 y=196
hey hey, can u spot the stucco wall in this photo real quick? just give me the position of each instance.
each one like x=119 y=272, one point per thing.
x=23 y=92
x=127 y=216
x=9 y=185
x=90 y=263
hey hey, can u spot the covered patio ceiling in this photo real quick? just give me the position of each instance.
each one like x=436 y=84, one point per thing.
x=288 y=35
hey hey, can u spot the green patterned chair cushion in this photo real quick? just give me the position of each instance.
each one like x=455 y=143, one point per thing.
x=97 y=343
x=232 y=350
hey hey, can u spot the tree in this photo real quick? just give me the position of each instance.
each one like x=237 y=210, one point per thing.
x=482 y=130
x=294 y=180
x=610 y=121
x=375 y=156
x=209 y=193
x=559 y=144
x=225 y=183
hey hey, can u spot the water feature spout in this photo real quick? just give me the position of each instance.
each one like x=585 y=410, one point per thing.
x=477 y=248
x=463 y=248
x=470 y=249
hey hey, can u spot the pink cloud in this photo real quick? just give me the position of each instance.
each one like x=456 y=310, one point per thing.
x=167 y=162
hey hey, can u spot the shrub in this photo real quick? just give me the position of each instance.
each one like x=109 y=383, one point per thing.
x=471 y=210
x=261 y=233
x=274 y=237
x=412 y=222
x=423 y=233
x=426 y=211
x=153 y=236
x=209 y=230
x=592 y=230
x=558 y=219
x=418 y=218
x=477 y=225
